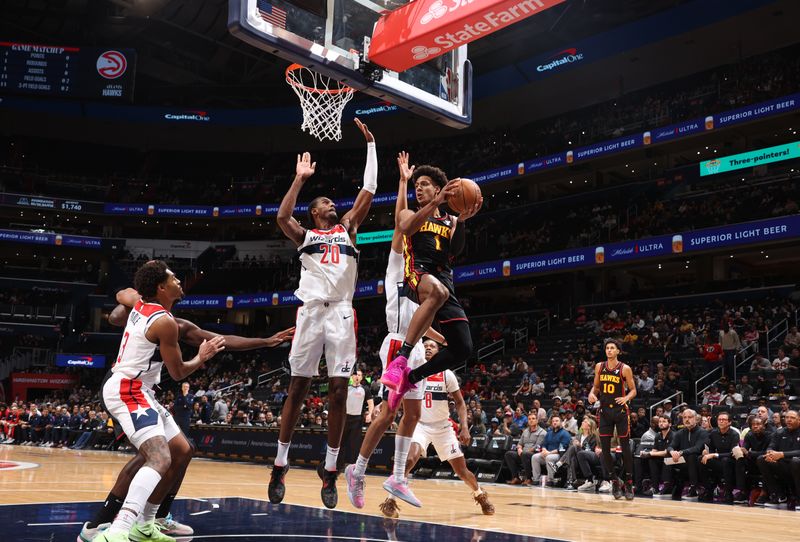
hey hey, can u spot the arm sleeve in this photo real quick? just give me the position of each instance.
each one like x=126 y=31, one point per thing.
x=459 y=239
x=371 y=169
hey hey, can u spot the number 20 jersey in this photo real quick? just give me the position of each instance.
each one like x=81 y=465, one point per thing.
x=329 y=266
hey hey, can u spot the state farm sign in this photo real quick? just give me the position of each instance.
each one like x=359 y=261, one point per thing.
x=440 y=26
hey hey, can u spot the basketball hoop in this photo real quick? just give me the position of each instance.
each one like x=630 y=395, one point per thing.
x=322 y=99
x=712 y=166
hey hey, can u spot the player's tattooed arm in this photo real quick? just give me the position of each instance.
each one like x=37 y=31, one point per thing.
x=304 y=169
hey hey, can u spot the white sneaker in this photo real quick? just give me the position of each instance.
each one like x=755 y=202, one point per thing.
x=605 y=487
x=87 y=534
x=175 y=529
x=588 y=485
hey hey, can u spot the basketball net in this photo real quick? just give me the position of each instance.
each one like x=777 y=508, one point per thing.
x=322 y=99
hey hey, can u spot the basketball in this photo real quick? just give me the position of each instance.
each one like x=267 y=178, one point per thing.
x=467 y=194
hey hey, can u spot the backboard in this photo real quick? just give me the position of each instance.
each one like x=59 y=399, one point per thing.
x=328 y=36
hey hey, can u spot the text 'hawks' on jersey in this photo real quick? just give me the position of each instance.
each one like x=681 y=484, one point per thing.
x=435 y=405
x=612 y=385
x=135 y=358
x=430 y=246
x=329 y=266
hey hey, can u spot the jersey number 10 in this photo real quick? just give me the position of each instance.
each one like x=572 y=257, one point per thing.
x=609 y=389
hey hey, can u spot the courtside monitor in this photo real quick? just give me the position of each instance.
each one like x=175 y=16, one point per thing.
x=330 y=37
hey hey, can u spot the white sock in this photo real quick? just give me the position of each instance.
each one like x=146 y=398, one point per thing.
x=141 y=488
x=477 y=493
x=282 y=457
x=330 y=458
x=148 y=512
x=401 y=447
x=361 y=465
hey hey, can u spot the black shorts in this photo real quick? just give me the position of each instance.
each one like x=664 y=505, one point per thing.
x=451 y=310
x=614 y=418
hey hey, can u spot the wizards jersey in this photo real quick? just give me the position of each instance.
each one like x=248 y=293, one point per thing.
x=329 y=266
x=136 y=353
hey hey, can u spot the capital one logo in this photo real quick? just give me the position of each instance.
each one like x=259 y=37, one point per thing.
x=111 y=64
x=421 y=52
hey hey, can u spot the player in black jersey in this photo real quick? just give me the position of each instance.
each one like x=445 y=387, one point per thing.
x=433 y=239
x=614 y=386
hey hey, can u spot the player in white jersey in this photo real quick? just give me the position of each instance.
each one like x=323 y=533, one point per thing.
x=326 y=321
x=435 y=427
x=129 y=398
x=181 y=449
x=399 y=311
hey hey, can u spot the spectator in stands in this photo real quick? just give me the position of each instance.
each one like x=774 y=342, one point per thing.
x=561 y=391
x=529 y=444
x=751 y=337
x=731 y=397
x=718 y=461
x=660 y=481
x=760 y=364
x=508 y=427
x=780 y=464
x=538 y=411
x=554 y=445
x=569 y=422
x=792 y=339
x=794 y=359
x=753 y=446
x=744 y=388
x=731 y=344
x=92 y=423
x=781 y=387
x=182 y=408
x=645 y=444
x=586 y=440
x=205 y=410
x=778 y=421
x=712 y=396
x=556 y=410
x=781 y=361
x=221 y=409
x=638 y=426
x=537 y=388
x=685 y=451
x=644 y=384
x=494 y=429
x=523 y=392
x=520 y=419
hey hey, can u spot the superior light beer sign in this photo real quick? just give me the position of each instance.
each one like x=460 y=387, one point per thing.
x=425 y=29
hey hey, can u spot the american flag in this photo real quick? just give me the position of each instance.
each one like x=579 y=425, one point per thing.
x=272 y=14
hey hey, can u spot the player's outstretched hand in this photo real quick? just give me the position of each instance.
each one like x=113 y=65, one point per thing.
x=210 y=348
x=365 y=130
x=448 y=190
x=402 y=164
x=281 y=337
x=472 y=211
x=305 y=167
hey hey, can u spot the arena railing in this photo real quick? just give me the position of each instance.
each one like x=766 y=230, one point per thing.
x=490 y=349
x=678 y=396
x=263 y=378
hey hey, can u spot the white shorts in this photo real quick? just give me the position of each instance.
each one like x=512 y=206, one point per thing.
x=391 y=344
x=442 y=437
x=324 y=327
x=136 y=410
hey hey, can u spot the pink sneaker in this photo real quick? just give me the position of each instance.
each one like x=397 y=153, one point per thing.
x=396 y=397
x=392 y=377
x=401 y=491
x=355 y=486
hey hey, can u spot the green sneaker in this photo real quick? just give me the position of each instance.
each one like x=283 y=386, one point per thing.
x=105 y=536
x=150 y=531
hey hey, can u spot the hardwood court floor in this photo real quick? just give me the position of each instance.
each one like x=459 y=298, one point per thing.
x=67 y=476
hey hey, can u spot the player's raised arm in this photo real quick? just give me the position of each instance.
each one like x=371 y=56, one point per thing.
x=193 y=335
x=401 y=204
x=353 y=218
x=165 y=333
x=289 y=226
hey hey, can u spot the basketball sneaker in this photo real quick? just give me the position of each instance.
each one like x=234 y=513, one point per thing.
x=355 y=486
x=173 y=528
x=605 y=487
x=588 y=485
x=401 y=491
x=88 y=534
x=276 y=488
x=330 y=497
x=389 y=508
x=392 y=377
x=739 y=497
x=617 y=488
x=628 y=490
x=482 y=500
x=148 y=532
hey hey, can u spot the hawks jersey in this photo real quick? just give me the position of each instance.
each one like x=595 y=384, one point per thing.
x=430 y=246
x=612 y=385
x=435 y=407
x=399 y=308
x=135 y=359
x=329 y=266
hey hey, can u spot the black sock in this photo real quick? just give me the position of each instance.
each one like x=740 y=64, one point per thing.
x=108 y=512
x=444 y=359
x=405 y=350
x=166 y=504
